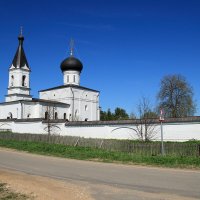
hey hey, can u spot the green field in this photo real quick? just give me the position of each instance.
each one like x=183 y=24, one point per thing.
x=95 y=154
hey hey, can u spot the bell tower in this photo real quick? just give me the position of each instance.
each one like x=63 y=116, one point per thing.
x=19 y=75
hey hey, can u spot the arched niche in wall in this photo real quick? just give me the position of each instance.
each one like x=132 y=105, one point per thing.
x=10 y=115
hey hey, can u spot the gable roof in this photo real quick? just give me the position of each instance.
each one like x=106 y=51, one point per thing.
x=67 y=86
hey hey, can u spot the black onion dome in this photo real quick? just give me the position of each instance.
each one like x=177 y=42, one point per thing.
x=71 y=63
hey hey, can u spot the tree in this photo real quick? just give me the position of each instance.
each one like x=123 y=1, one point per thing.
x=132 y=115
x=120 y=114
x=145 y=124
x=176 y=96
x=51 y=124
x=109 y=115
x=106 y=115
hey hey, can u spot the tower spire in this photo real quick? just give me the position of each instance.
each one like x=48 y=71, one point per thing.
x=71 y=45
x=19 y=59
x=21 y=30
x=21 y=37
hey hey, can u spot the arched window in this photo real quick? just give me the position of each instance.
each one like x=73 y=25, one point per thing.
x=23 y=80
x=10 y=116
x=46 y=115
x=28 y=116
x=56 y=115
x=64 y=116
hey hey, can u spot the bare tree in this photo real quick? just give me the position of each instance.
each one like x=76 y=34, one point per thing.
x=176 y=96
x=146 y=128
x=51 y=124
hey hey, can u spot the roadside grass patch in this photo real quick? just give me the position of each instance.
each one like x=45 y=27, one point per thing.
x=96 y=154
x=7 y=194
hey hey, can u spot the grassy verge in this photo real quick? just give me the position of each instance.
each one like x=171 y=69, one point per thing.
x=7 y=194
x=86 y=153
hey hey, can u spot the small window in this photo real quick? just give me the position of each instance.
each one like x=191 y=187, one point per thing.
x=86 y=119
x=23 y=80
x=28 y=116
x=56 y=115
x=68 y=78
x=86 y=107
x=74 y=78
x=64 y=116
x=46 y=115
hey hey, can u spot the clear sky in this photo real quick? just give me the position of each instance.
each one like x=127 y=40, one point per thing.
x=126 y=46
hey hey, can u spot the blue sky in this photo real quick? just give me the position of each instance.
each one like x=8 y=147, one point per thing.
x=126 y=46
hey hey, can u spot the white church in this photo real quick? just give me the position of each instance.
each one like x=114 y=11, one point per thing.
x=69 y=101
x=74 y=109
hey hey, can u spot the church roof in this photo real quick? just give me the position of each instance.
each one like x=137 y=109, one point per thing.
x=69 y=85
x=71 y=63
x=34 y=100
x=19 y=61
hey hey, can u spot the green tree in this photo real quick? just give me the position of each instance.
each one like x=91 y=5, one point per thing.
x=120 y=114
x=109 y=115
x=103 y=115
x=176 y=96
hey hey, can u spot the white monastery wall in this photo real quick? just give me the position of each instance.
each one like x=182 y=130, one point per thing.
x=171 y=132
x=29 y=127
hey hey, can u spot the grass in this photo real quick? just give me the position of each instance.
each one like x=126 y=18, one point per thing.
x=87 y=153
x=7 y=194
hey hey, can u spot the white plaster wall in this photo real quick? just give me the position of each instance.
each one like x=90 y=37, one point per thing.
x=71 y=77
x=17 y=98
x=180 y=132
x=172 y=132
x=84 y=106
x=18 y=73
x=31 y=110
x=15 y=84
x=63 y=95
x=18 y=91
x=29 y=127
x=14 y=108
x=6 y=125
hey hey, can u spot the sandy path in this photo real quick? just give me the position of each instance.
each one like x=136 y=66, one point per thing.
x=41 y=188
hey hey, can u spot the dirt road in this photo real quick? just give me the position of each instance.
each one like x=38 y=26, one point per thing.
x=56 y=178
x=42 y=188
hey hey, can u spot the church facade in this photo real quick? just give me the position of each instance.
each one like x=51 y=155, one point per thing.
x=69 y=101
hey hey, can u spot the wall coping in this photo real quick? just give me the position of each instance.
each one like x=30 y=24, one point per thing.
x=116 y=122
